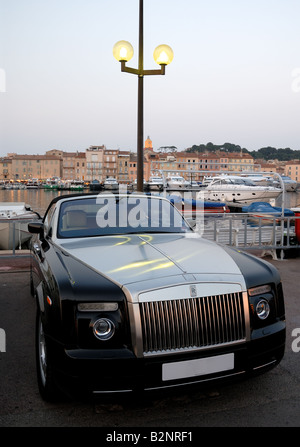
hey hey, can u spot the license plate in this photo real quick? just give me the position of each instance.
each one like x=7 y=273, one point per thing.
x=197 y=367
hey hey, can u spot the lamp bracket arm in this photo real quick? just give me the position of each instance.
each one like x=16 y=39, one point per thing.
x=126 y=69
x=162 y=71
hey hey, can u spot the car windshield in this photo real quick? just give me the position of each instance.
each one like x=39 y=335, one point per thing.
x=112 y=214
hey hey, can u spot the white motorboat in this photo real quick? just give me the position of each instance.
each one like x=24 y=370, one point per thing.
x=14 y=219
x=207 y=180
x=111 y=183
x=33 y=183
x=194 y=185
x=14 y=185
x=155 y=183
x=289 y=184
x=176 y=182
x=235 y=189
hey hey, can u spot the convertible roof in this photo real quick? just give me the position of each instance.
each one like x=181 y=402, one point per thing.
x=65 y=196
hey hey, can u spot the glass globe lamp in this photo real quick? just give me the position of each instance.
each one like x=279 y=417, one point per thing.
x=163 y=55
x=123 y=51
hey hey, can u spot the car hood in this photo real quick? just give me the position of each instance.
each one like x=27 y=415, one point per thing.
x=155 y=258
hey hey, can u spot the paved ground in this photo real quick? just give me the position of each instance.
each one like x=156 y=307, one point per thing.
x=270 y=400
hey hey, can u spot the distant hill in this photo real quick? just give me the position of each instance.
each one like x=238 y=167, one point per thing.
x=266 y=153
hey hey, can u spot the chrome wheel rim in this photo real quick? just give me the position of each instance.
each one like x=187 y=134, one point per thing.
x=42 y=354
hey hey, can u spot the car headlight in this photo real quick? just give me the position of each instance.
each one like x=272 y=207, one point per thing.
x=103 y=329
x=262 y=309
x=101 y=324
x=261 y=300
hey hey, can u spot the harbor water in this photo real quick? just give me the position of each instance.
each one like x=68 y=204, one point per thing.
x=38 y=199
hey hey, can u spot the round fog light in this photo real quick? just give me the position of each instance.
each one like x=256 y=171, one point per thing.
x=103 y=329
x=263 y=309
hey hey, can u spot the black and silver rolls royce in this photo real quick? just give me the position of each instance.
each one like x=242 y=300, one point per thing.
x=129 y=299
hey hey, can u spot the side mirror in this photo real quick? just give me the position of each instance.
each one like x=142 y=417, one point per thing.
x=36 y=228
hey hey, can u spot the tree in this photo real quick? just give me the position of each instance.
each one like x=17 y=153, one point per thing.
x=266 y=153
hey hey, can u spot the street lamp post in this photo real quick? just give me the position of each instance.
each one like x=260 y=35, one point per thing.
x=163 y=55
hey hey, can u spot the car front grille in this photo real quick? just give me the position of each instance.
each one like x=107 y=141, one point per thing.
x=169 y=326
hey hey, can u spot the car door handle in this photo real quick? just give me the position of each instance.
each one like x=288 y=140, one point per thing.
x=38 y=251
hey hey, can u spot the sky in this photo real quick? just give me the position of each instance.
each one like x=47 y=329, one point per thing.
x=235 y=76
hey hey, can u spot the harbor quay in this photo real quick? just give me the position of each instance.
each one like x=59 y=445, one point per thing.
x=272 y=399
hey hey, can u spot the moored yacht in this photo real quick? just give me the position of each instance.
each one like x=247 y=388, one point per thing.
x=155 y=183
x=176 y=182
x=111 y=183
x=33 y=183
x=235 y=189
x=289 y=184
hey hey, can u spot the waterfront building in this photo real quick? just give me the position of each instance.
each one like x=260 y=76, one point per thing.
x=187 y=163
x=151 y=160
x=271 y=166
x=5 y=169
x=123 y=166
x=110 y=164
x=24 y=167
x=132 y=173
x=235 y=161
x=292 y=169
x=74 y=166
x=94 y=163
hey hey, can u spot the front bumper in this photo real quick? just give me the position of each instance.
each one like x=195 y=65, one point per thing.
x=120 y=371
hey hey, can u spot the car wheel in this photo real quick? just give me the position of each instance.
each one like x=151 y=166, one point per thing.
x=47 y=386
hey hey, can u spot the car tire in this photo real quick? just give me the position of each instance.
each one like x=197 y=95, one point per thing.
x=31 y=285
x=45 y=377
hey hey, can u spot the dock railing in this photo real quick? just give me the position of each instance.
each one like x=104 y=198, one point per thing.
x=273 y=235
x=15 y=244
